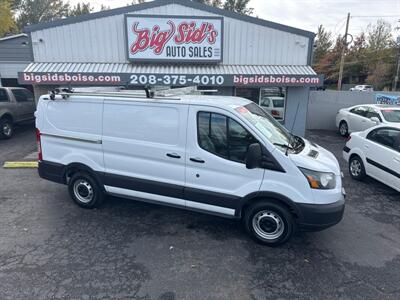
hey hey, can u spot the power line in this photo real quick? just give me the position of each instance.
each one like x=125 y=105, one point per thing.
x=378 y=16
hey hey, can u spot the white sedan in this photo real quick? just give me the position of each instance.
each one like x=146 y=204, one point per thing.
x=375 y=152
x=363 y=87
x=361 y=117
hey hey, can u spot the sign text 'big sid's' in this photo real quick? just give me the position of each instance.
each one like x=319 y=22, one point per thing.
x=174 y=38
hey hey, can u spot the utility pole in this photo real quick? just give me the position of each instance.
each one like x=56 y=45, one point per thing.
x=343 y=52
x=396 y=75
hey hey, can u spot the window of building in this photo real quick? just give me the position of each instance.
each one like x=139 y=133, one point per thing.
x=252 y=94
x=3 y=95
x=223 y=136
x=273 y=100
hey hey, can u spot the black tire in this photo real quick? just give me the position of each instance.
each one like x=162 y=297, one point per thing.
x=356 y=168
x=6 y=128
x=267 y=231
x=343 y=128
x=85 y=191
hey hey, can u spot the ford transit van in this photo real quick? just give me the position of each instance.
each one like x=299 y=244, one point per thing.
x=214 y=154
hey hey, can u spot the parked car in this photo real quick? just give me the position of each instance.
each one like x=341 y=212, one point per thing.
x=363 y=87
x=375 y=152
x=275 y=106
x=361 y=117
x=215 y=154
x=16 y=105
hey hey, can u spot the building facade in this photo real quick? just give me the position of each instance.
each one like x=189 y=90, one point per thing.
x=178 y=43
x=15 y=56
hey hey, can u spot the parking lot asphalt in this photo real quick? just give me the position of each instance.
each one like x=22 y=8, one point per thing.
x=52 y=249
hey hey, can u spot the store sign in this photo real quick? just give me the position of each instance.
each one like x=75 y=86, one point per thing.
x=174 y=38
x=387 y=99
x=140 y=79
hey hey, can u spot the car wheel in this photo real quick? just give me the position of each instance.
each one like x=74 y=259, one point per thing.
x=269 y=223
x=356 y=168
x=6 y=128
x=343 y=129
x=85 y=191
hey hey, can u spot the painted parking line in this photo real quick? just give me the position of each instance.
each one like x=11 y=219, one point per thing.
x=20 y=164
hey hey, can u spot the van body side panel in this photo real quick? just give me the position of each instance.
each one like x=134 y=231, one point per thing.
x=145 y=141
x=71 y=131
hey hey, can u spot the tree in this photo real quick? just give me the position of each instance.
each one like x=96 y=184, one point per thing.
x=379 y=35
x=134 y=2
x=239 y=6
x=215 y=3
x=80 y=9
x=104 y=7
x=35 y=11
x=7 y=23
x=323 y=43
x=329 y=64
x=356 y=66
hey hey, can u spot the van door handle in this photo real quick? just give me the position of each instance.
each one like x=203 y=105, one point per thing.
x=366 y=146
x=173 y=155
x=396 y=159
x=197 y=160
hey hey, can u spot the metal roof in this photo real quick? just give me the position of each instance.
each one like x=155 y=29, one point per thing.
x=156 y=3
x=13 y=36
x=168 y=69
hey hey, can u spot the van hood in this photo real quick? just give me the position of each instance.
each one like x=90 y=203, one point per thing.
x=316 y=158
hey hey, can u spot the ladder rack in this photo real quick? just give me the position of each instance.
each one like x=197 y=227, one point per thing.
x=162 y=94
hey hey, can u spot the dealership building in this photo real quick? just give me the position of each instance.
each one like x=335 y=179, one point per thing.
x=178 y=43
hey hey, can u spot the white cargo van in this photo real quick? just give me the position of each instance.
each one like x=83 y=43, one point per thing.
x=214 y=154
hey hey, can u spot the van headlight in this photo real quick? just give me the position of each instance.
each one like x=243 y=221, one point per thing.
x=320 y=180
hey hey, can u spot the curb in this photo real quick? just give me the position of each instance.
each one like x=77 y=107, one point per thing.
x=20 y=164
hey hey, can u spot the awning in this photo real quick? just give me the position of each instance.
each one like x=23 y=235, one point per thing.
x=171 y=75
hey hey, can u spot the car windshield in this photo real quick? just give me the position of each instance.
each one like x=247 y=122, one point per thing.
x=270 y=128
x=391 y=115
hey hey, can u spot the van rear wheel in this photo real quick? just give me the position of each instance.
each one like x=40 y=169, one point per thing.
x=269 y=223
x=85 y=191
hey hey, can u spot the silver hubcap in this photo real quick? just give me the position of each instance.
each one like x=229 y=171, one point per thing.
x=7 y=129
x=355 y=168
x=83 y=191
x=343 y=129
x=268 y=225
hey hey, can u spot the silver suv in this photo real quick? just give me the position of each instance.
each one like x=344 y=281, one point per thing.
x=16 y=105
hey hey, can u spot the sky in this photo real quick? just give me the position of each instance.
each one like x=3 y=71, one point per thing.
x=308 y=14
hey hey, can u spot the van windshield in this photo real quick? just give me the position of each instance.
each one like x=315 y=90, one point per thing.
x=269 y=127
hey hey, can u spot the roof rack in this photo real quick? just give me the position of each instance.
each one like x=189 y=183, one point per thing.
x=160 y=93
x=65 y=93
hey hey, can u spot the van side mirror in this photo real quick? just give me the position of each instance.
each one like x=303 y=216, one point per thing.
x=253 y=156
x=375 y=120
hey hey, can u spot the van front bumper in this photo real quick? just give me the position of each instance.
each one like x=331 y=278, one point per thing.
x=315 y=217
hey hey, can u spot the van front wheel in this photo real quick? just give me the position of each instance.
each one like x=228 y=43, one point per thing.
x=269 y=223
x=85 y=191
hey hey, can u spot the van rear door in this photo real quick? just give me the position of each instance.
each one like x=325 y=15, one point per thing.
x=216 y=174
x=144 y=149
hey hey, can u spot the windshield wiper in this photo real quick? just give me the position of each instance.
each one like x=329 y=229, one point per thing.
x=284 y=146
